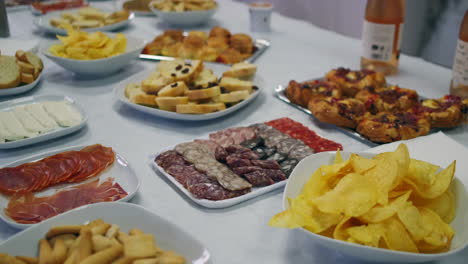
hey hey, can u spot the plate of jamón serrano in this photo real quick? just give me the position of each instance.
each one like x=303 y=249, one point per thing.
x=236 y=164
x=45 y=185
x=191 y=90
x=364 y=105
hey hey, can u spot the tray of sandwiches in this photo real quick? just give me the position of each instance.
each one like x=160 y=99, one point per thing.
x=217 y=45
x=191 y=90
x=233 y=165
x=363 y=105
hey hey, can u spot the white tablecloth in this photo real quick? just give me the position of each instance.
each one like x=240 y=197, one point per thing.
x=238 y=234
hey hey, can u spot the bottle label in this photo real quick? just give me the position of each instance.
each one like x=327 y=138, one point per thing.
x=378 y=40
x=460 y=64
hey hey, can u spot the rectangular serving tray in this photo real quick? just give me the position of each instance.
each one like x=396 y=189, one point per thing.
x=260 y=44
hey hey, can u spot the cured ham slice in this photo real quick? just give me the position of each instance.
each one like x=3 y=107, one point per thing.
x=29 y=209
x=69 y=166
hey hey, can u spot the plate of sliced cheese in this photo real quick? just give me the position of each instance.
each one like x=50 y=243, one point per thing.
x=19 y=73
x=33 y=119
x=191 y=90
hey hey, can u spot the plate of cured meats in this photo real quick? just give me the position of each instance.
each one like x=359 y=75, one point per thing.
x=236 y=164
x=45 y=185
x=32 y=119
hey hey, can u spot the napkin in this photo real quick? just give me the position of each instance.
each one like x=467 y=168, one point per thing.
x=436 y=148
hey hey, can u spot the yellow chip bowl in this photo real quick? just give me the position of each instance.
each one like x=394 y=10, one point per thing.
x=387 y=205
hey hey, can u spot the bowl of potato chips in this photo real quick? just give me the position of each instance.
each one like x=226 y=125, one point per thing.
x=381 y=208
x=95 y=53
x=184 y=12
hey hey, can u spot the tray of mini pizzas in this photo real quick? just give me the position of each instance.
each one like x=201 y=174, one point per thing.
x=237 y=164
x=362 y=104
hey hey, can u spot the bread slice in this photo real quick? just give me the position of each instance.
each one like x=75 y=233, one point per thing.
x=234 y=97
x=10 y=72
x=173 y=89
x=205 y=78
x=203 y=93
x=135 y=94
x=26 y=67
x=243 y=70
x=153 y=86
x=31 y=58
x=170 y=103
x=27 y=78
x=87 y=23
x=199 y=108
x=183 y=71
x=233 y=84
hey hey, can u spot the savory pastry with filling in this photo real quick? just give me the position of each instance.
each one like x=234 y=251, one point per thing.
x=351 y=82
x=302 y=93
x=390 y=99
x=446 y=112
x=340 y=112
x=387 y=127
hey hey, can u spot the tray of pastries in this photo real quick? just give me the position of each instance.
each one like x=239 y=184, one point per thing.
x=364 y=105
x=218 y=45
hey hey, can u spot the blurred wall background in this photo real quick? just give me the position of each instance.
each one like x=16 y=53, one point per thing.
x=431 y=26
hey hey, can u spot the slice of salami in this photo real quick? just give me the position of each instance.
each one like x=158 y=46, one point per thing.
x=169 y=158
x=259 y=178
x=266 y=164
x=234 y=162
x=246 y=169
x=276 y=175
x=214 y=192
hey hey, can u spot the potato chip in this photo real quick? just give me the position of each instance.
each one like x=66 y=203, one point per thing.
x=422 y=173
x=401 y=155
x=385 y=173
x=340 y=229
x=368 y=235
x=440 y=185
x=396 y=237
x=440 y=234
x=315 y=186
x=382 y=212
x=411 y=218
x=444 y=205
x=81 y=45
x=338 y=158
x=354 y=195
x=361 y=164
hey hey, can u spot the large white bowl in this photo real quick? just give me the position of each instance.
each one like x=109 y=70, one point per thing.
x=100 y=66
x=187 y=18
x=307 y=166
x=125 y=215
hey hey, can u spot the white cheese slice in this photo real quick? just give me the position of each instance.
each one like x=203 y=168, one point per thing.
x=41 y=116
x=63 y=113
x=14 y=126
x=28 y=121
x=4 y=133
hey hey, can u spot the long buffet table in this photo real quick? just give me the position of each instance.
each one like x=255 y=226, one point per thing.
x=238 y=234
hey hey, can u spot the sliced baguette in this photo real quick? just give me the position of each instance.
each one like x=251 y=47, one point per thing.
x=205 y=78
x=153 y=86
x=233 y=84
x=242 y=70
x=135 y=94
x=31 y=58
x=26 y=67
x=234 y=97
x=203 y=93
x=199 y=108
x=170 y=103
x=173 y=89
x=27 y=78
x=10 y=72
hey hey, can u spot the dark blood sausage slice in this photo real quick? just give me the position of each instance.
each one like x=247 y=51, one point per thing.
x=276 y=175
x=259 y=178
x=287 y=166
x=277 y=157
x=266 y=164
x=252 y=143
x=187 y=175
x=214 y=192
x=221 y=154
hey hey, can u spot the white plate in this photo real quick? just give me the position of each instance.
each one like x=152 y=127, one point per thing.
x=99 y=67
x=119 y=93
x=22 y=88
x=8 y=105
x=256 y=191
x=125 y=215
x=120 y=170
x=186 y=18
x=307 y=166
x=43 y=22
